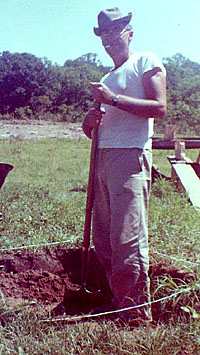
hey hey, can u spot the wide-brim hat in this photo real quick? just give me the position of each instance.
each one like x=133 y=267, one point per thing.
x=108 y=17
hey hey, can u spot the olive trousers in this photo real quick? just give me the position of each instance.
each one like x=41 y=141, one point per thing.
x=120 y=231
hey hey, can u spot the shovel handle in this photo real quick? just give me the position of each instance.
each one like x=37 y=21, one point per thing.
x=89 y=204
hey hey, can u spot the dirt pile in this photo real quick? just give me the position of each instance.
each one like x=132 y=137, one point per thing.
x=44 y=276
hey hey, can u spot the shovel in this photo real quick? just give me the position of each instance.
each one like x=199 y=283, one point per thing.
x=88 y=210
x=82 y=295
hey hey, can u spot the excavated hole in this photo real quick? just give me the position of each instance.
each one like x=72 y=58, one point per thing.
x=46 y=275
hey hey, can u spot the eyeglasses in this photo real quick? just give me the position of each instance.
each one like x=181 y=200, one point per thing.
x=116 y=32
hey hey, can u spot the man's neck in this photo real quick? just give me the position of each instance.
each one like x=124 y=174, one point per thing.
x=119 y=61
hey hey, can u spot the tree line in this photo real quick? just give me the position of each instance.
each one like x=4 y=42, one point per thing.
x=32 y=87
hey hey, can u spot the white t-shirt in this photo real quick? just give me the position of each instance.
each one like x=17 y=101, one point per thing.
x=121 y=129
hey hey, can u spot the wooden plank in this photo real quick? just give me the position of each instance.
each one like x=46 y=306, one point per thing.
x=172 y=159
x=188 y=179
x=159 y=143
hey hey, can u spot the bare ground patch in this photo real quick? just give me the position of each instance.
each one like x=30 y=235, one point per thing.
x=34 y=129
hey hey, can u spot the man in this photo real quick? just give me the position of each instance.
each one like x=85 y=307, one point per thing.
x=126 y=99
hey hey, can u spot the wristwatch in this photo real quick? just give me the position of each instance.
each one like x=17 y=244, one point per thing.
x=115 y=100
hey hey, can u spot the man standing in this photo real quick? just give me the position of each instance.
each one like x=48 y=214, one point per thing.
x=126 y=101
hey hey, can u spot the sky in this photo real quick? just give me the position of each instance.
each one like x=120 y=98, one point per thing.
x=63 y=29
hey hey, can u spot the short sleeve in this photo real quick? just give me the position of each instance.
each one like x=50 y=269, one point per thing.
x=148 y=61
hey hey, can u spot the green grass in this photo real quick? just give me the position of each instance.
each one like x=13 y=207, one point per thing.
x=174 y=225
x=39 y=207
x=36 y=198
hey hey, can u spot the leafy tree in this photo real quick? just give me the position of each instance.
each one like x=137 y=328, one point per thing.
x=75 y=80
x=183 y=93
x=23 y=78
x=33 y=86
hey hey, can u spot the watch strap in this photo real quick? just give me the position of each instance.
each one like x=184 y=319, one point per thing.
x=115 y=100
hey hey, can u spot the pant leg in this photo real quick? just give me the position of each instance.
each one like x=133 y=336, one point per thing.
x=122 y=239
x=101 y=215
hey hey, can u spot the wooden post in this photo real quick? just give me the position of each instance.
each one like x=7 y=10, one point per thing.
x=179 y=150
x=169 y=132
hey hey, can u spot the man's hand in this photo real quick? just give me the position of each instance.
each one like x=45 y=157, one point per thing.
x=154 y=105
x=102 y=93
x=91 y=120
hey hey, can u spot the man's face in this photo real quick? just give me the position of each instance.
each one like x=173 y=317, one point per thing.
x=115 y=40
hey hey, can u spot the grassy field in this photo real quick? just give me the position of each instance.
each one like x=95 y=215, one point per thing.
x=43 y=201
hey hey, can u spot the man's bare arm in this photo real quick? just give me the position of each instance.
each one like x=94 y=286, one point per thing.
x=153 y=106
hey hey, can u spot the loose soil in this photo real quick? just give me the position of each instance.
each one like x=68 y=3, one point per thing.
x=46 y=275
x=51 y=277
